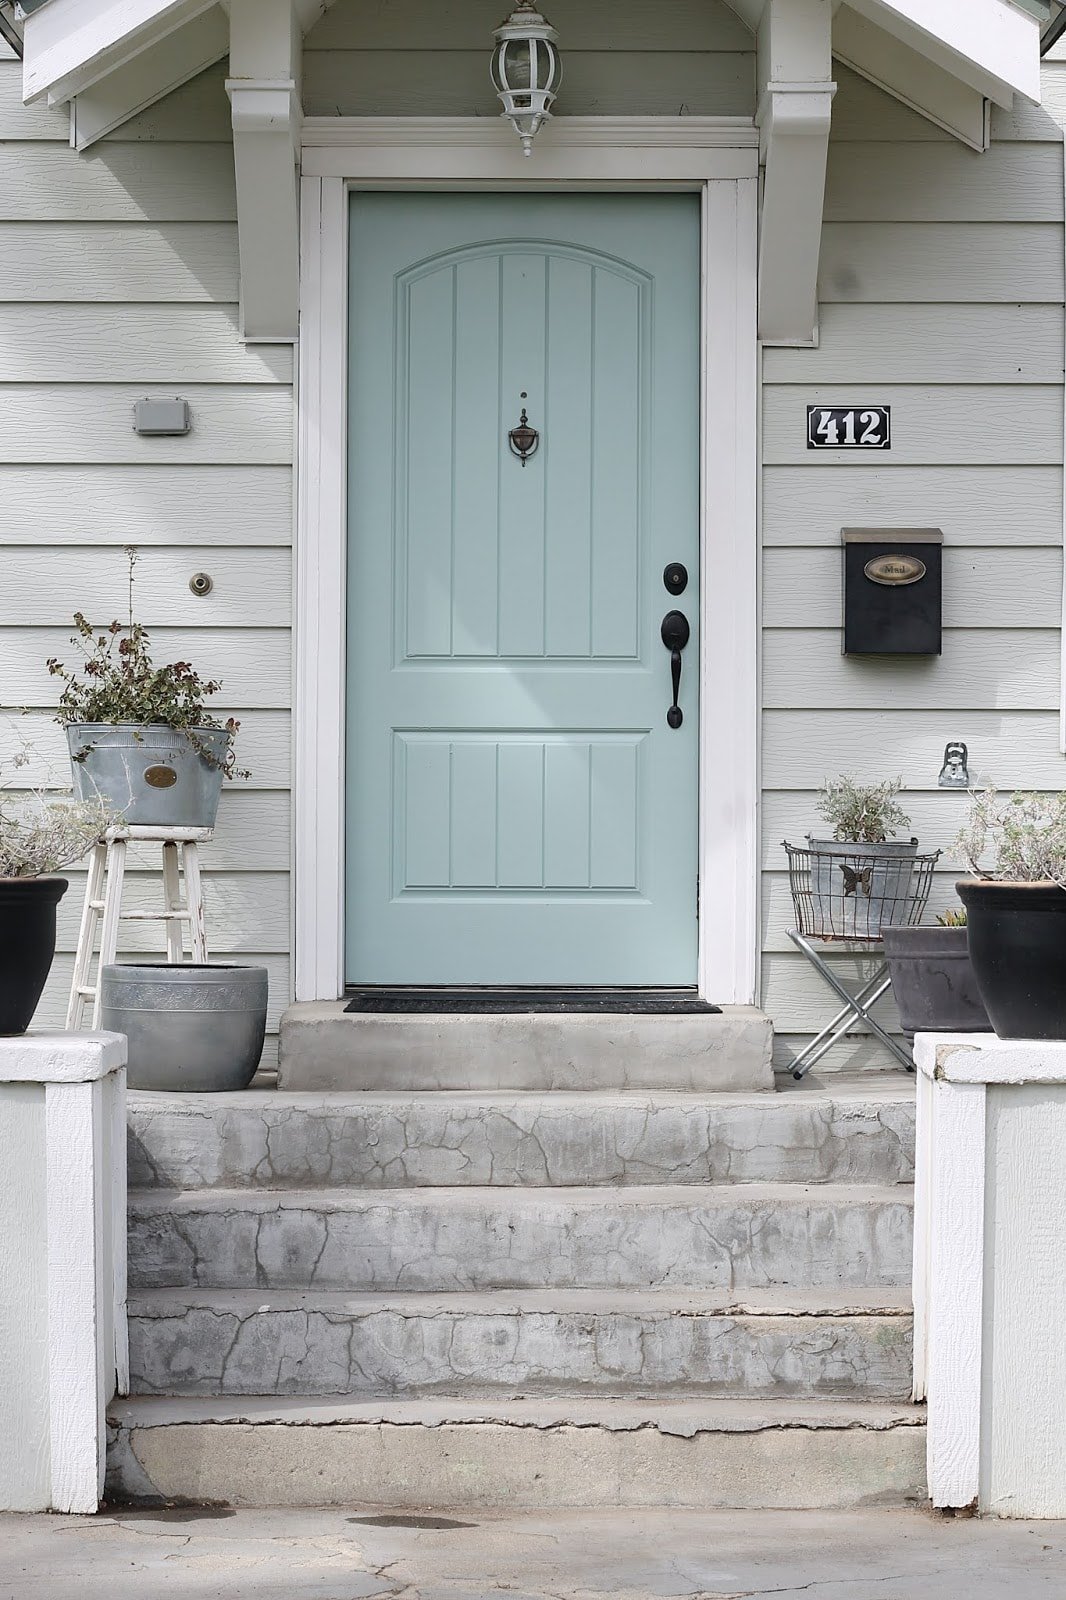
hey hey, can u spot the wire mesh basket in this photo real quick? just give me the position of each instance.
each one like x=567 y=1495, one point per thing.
x=851 y=891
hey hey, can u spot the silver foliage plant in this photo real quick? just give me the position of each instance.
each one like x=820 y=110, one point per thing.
x=864 y=813
x=39 y=836
x=1025 y=834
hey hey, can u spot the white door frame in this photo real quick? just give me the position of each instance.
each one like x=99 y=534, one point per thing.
x=716 y=156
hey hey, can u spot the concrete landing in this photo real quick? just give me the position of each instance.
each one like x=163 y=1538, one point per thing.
x=323 y=1047
x=519 y=1454
x=359 y=1551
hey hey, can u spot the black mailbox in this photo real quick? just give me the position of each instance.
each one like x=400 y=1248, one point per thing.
x=892 y=588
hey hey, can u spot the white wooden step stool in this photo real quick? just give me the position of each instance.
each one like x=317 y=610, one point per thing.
x=102 y=910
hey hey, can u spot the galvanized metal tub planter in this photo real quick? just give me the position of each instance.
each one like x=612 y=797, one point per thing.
x=27 y=946
x=933 y=980
x=151 y=774
x=194 y=1028
x=849 y=890
x=1017 y=935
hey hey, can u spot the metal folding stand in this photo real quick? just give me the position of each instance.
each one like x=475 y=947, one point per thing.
x=856 y=1007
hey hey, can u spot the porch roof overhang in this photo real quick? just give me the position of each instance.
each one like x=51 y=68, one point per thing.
x=949 y=62
x=109 y=59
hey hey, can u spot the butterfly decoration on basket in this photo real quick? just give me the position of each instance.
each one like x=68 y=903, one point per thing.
x=856 y=878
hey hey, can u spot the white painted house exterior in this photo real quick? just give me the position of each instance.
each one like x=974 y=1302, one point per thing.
x=173 y=216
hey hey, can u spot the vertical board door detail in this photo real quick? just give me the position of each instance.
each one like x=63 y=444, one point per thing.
x=519 y=812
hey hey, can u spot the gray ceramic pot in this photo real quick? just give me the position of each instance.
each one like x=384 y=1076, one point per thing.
x=933 y=982
x=189 y=1027
x=154 y=776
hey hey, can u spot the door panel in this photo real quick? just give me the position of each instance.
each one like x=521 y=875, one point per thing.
x=518 y=809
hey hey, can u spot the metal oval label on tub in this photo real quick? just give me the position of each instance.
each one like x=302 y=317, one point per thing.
x=895 y=570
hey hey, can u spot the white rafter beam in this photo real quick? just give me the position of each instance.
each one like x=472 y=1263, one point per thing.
x=794 y=114
x=910 y=76
x=990 y=44
x=263 y=86
x=156 y=72
x=72 y=44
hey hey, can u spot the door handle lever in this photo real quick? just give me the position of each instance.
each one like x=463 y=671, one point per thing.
x=675 y=633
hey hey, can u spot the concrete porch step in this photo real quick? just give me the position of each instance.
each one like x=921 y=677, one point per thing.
x=684 y=1453
x=857 y=1133
x=323 y=1047
x=726 y=1236
x=221 y=1342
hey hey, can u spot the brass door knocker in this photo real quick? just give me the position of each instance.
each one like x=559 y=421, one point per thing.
x=524 y=440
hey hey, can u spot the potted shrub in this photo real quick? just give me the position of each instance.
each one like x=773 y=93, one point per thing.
x=1016 y=910
x=933 y=979
x=140 y=737
x=37 y=839
x=861 y=877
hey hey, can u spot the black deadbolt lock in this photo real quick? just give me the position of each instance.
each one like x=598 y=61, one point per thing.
x=675 y=578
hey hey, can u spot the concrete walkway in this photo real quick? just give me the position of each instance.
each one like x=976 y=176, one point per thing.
x=328 y=1555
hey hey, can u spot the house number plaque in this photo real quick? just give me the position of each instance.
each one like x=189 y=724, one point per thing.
x=849 y=428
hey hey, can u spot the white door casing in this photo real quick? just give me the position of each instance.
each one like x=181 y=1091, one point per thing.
x=718 y=157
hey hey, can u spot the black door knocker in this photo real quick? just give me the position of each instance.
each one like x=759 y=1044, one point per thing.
x=524 y=440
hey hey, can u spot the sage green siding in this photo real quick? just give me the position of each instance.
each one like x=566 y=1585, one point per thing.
x=120 y=280
x=941 y=294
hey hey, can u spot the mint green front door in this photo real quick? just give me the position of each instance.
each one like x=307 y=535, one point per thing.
x=518 y=809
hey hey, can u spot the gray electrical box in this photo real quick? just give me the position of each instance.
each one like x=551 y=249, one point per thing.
x=155 y=417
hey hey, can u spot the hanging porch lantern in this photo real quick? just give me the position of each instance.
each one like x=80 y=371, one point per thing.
x=526 y=71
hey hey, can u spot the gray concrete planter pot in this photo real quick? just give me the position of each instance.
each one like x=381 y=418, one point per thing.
x=933 y=981
x=189 y=1027
x=154 y=776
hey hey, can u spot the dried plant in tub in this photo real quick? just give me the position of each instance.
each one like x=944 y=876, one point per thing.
x=117 y=682
x=1024 y=834
x=864 y=813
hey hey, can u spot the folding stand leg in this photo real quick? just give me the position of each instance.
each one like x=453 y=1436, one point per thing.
x=194 y=897
x=856 y=1008
x=80 y=989
x=116 y=872
x=172 y=906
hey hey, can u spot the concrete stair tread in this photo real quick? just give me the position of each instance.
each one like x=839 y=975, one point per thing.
x=897 y=1090
x=684 y=1415
x=782 y=1302
x=640 y=1197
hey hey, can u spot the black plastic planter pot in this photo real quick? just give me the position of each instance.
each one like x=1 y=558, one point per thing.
x=933 y=981
x=27 y=945
x=1017 y=940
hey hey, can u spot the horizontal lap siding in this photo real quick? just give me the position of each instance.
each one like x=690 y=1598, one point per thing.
x=941 y=288
x=425 y=58
x=122 y=282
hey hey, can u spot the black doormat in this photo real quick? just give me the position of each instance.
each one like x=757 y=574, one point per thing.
x=444 y=1001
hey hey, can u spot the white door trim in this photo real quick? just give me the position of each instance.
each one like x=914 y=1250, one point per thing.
x=602 y=154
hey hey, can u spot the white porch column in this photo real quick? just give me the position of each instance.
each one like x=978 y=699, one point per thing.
x=795 y=107
x=63 y=1350
x=989 y=1284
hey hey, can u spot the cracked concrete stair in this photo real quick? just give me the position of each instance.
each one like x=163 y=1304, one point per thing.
x=651 y=1342
x=615 y=1296
x=862 y=1133
x=738 y=1236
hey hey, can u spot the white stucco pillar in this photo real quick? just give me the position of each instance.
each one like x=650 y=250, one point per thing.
x=990 y=1271
x=63 y=1350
